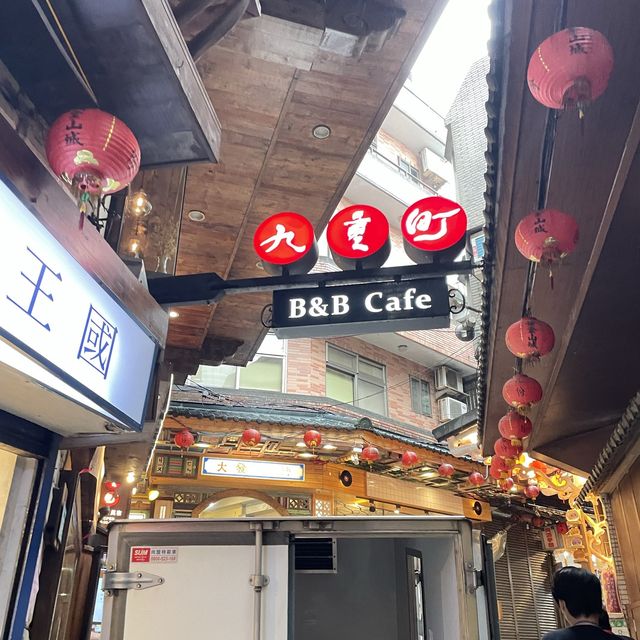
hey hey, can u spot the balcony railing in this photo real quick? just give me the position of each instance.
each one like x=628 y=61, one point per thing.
x=403 y=172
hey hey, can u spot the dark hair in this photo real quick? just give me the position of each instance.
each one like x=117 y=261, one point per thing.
x=580 y=590
x=603 y=621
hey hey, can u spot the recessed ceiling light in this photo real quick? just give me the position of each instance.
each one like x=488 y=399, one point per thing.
x=402 y=347
x=173 y=314
x=321 y=131
x=196 y=216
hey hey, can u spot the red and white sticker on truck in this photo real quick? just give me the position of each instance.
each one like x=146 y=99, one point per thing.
x=154 y=554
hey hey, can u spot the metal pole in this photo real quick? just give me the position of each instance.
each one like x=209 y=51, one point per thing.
x=258 y=581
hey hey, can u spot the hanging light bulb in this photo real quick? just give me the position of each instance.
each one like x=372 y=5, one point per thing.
x=153 y=495
x=138 y=204
x=134 y=246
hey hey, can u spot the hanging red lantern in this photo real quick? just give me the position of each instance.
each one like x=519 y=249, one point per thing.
x=547 y=236
x=532 y=491
x=409 y=458
x=521 y=392
x=446 y=470
x=507 y=448
x=312 y=438
x=501 y=464
x=507 y=484
x=496 y=472
x=251 y=437
x=476 y=478
x=538 y=522
x=570 y=69
x=93 y=151
x=530 y=338
x=184 y=439
x=370 y=454
x=515 y=427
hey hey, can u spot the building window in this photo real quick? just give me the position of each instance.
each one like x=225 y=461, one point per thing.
x=420 y=397
x=355 y=380
x=408 y=170
x=264 y=372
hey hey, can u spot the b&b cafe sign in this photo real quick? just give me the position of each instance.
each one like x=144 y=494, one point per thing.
x=358 y=236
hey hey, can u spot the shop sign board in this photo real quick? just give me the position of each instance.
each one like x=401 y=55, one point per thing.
x=53 y=311
x=252 y=469
x=551 y=539
x=409 y=305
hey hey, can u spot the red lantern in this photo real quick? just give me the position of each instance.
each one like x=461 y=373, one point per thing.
x=507 y=484
x=312 y=438
x=521 y=392
x=538 y=522
x=251 y=437
x=499 y=463
x=562 y=528
x=446 y=470
x=505 y=448
x=515 y=427
x=496 y=472
x=476 y=478
x=547 y=236
x=530 y=338
x=370 y=454
x=184 y=439
x=409 y=458
x=532 y=491
x=570 y=69
x=93 y=151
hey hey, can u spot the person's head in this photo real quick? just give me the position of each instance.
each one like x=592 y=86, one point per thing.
x=578 y=594
x=604 y=622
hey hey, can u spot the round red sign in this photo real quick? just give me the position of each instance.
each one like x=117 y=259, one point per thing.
x=284 y=238
x=358 y=231
x=434 y=224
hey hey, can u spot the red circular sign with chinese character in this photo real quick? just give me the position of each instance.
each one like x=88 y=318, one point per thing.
x=358 y=231
x=434 y=224
x=284 y=238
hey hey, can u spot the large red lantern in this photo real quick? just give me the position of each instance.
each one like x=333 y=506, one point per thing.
x=312 y=438
x=570 y=69
x=507 y=484
x=446 y=470
x=530 y=338
x=409 y=458
x=476 y=478
x=515 y=427
x=251 y=437
x=506 y=448
x=93 y=151
x=496 y=472
x=370 y=454
x=547 y=236
x=521 y=392
x=184 y=439
x=500 y=464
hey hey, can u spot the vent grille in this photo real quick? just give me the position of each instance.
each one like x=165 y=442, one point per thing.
x=315 y=555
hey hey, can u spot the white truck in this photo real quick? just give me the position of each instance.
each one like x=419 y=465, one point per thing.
x=360 y=578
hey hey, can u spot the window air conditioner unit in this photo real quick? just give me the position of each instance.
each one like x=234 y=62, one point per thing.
x=433 y=169
x=451 y=408
x=447 y=378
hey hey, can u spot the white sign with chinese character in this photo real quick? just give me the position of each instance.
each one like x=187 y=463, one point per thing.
x=52 y=310
x=253 y=469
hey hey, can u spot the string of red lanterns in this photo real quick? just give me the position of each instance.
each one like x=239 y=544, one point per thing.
x=568 y=70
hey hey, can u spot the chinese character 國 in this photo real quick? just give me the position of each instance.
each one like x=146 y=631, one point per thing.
x=96 y=347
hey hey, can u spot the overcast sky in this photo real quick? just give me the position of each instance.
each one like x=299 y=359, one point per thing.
x=458 y=40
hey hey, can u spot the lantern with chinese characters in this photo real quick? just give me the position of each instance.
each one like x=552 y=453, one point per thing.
x=515 y=427
x=507 y=484
x=370 y=454
x=251 y=437
x=476 y=479
x=184 y=439
x=93 y=151
x=507 y=448
x=358 y=236
x=570 y=69
x=532 y=491
x=521 y=392
x=312 y=438
x=446 y=470
x=433 y=225
x=409 y=458
x=286 y=244
x=530 y=338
